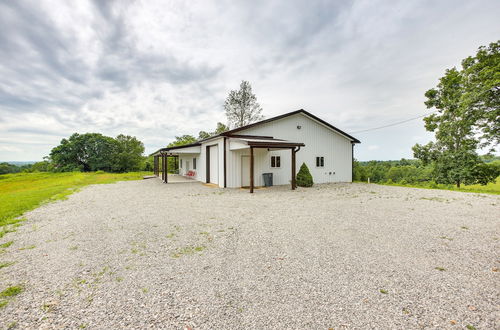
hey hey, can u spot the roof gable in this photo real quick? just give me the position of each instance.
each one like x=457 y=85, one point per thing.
x=301 y=111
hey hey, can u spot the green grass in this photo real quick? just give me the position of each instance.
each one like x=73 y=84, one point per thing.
x=11 y=291
x=6 y=244
x=6 y=264
x=22 y=192
x=188 y=250
x=490 y=188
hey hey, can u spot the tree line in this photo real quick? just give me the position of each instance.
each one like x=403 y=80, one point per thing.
x=414 y=171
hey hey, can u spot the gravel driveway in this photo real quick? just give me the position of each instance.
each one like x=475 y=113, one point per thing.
x=144 y=254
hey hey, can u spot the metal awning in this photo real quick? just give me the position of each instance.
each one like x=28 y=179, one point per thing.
x=264 y=142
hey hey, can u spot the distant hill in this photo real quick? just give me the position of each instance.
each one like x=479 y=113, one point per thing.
x=17 y=163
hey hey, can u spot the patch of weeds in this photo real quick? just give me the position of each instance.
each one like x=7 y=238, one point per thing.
x=178 y=228
x=81 y=281
x=171 y=235
x=373 y=192
x=470 y=327
x=82 y=326
x=73 y=248
x=6 y=245
x=48 y=307
x=11 y=291
x=119 y=279
x=464 y=227
x=134 y=250
x=384 y=291
x=104 y=270
x=5 y=231
x=6 y=264
x=11 y=325
x=204 y=233
x=406 y=311
x=3 y=303
x=220 y=230
x=188 y=250
x=441 y=269
x=145 y=290
x=29 y=247
x=445 y=237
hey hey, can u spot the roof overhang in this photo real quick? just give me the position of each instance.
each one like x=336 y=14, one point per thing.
x=192 y=148
x=245 y=142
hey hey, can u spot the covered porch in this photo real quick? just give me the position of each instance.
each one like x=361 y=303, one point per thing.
x=254 y=143
x=161 y=160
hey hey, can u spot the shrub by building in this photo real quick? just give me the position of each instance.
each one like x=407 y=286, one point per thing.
x=304 y=177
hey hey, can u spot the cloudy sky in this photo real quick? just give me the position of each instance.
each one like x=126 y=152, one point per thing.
x=157 y=69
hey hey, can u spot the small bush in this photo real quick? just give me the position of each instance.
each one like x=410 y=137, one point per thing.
x=390 y=181
x=403 y=182
x=304 y=177
x=99 y=172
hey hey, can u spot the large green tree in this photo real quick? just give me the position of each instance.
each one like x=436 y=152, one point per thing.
x=465 y=119
x=96 y=152
x=128 y=156
x=241 y=106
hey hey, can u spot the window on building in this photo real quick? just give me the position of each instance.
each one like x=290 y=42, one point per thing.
x=181 y=164
x=320 y=161
x=194 y=163
x=275 y=161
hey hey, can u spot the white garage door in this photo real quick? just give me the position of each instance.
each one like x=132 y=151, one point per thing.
x=214 y=164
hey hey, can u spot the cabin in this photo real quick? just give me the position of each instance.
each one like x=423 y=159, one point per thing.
x=278 y=145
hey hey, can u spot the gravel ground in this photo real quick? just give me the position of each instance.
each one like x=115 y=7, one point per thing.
x=142 y=254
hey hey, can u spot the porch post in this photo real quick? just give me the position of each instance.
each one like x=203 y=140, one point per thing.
x=166 y=168
x=163 y=167
x=251 y=170
x=157 y=163
x=154 y=165
x=293 y=169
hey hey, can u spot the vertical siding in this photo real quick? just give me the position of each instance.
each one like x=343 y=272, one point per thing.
x=203 y=160
x=320 y=141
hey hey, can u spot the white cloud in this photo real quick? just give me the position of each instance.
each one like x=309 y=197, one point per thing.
x=156 y=69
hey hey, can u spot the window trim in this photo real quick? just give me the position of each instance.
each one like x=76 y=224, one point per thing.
x=194 y=163
x=277 y=161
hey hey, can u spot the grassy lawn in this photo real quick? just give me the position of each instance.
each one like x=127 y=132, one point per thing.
x=22 y=192
x=490 y=188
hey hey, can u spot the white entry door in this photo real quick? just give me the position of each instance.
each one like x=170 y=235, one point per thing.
x=214 y=164
x=245 y=171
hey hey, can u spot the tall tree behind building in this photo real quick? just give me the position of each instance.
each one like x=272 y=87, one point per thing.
x=241 y=106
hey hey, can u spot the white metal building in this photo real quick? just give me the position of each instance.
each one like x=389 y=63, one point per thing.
x=278 y=145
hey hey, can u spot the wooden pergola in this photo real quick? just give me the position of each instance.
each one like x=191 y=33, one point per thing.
x=160 y=163
x=294 y=148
